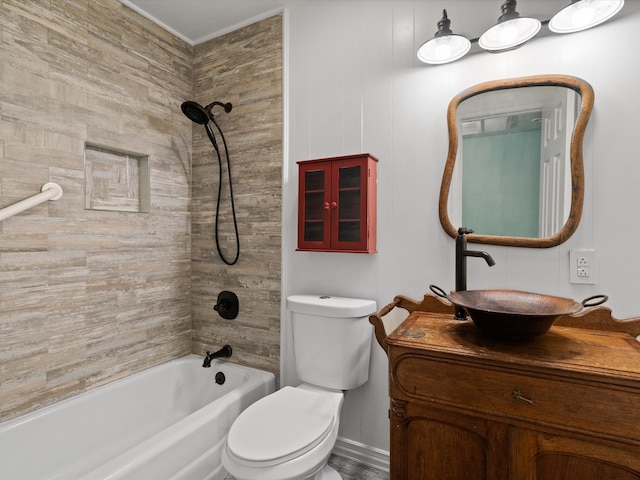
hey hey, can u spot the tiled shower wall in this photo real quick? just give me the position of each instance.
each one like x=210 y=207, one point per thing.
x=89 y=296
x=243 y=67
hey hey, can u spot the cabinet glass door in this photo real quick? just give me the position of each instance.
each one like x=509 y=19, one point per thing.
x=315 y=201
x=314 y=196
x=349 y=225
x=349 y=201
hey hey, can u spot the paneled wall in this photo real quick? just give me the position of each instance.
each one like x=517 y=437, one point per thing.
x=243 y=67
x=356 y=85
x=89 y=296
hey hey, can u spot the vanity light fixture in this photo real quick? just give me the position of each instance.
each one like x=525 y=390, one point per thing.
x=445 y=46
x=511 y=31
x=584 y=14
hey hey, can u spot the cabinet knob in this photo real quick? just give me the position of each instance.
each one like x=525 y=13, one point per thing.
x=325 y=205
x=334 y=205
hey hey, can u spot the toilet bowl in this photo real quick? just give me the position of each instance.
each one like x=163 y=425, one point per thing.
x=288 y=435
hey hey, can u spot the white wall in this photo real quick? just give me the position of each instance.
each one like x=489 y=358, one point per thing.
x=355 y=85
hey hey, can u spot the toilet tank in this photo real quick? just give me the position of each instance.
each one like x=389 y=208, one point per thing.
x=331 y=339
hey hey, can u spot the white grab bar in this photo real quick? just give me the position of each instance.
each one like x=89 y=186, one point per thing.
x=49 y=191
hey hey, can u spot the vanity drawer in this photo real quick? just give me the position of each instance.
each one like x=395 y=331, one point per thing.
x=605 y=408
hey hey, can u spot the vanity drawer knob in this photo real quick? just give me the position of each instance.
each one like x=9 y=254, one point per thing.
x=517 y=394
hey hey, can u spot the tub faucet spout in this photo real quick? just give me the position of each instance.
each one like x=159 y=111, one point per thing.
x=224 y=352
x=461 y=265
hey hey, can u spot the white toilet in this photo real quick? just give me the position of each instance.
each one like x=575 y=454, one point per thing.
x=289 y=435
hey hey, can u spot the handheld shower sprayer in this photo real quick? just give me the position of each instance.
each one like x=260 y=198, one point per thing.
x=202 y=115
x=195 y=112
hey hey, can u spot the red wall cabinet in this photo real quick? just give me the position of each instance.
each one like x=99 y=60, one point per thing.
x=337 y=204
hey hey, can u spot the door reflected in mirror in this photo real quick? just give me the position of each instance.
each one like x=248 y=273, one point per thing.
x=514 y=172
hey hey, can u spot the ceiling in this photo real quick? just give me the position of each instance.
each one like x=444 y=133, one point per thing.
x=196 y=21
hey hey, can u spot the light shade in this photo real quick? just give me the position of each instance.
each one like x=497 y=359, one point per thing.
x=445 y=46
x=444 y=49
x=511 y=31
x=584 y=14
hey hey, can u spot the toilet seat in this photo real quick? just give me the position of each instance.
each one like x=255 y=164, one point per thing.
x=281 y=426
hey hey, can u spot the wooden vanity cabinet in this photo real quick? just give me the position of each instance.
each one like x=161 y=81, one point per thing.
x=466 y=406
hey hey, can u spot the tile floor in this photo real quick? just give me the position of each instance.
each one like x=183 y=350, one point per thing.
x=351 y=470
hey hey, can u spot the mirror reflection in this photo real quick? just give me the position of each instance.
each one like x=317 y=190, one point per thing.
x=514 y=170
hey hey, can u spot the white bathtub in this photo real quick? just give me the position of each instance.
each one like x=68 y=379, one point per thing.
x=166 y=423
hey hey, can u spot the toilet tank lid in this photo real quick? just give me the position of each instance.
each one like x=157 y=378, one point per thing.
x=329 y=306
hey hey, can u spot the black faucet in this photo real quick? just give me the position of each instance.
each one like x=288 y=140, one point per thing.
x=224 y=352
x=461 y=265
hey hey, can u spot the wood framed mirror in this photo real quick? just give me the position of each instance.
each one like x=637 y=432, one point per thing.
x=514 y=172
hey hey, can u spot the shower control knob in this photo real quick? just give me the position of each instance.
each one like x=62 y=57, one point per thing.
x=227 y=305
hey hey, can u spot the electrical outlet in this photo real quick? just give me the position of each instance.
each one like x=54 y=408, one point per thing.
x=582 y=272
x=583 y=267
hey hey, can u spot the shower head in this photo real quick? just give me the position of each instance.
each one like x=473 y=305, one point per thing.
x=199 y=114
x=195 y=112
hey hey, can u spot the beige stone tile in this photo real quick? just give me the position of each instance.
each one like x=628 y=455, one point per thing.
x=106 y=294
x=88 y=289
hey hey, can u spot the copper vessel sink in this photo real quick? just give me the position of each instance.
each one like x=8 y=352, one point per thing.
x=514 y=313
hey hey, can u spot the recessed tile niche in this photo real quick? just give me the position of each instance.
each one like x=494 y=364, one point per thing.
x=115 y=180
